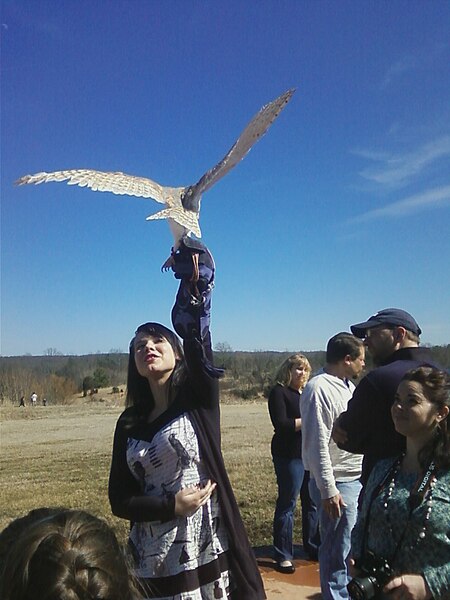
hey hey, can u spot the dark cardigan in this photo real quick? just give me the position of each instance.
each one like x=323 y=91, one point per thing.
x=199 y=396
x=284 y=408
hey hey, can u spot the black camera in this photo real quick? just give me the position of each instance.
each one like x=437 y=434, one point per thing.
x=375 y=574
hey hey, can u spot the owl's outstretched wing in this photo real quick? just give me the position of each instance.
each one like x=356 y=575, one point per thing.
x=101 y=181
x=251 y=134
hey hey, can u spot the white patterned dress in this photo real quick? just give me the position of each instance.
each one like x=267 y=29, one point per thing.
x=185 y=553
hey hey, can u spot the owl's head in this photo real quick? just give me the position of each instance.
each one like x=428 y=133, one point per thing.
x=190 y=199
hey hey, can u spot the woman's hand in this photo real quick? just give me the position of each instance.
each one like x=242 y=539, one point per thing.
x=408 y=587
x=190 y=499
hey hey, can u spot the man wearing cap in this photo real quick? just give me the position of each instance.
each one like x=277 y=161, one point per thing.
x=366 y=427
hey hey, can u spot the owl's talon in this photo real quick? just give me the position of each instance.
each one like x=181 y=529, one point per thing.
x=168 y=264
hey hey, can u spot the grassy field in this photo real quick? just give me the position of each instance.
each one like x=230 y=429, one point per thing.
x=60 y=456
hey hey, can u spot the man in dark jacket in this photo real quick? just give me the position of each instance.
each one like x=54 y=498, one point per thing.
x=366 y=427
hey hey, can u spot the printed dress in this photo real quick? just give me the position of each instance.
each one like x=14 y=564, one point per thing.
x=185 y=553
x=208 y=555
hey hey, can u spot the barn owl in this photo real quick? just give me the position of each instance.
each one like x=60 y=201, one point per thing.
x=182 y=204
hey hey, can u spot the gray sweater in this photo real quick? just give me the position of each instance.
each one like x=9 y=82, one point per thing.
x=324 y=398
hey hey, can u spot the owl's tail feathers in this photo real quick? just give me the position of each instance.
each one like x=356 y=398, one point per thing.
x=162 y=214
x=185 y=218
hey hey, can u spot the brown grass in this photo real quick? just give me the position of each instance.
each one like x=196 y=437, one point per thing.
x=60 y=455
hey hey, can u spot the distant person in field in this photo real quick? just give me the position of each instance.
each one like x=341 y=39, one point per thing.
x=61 y=554
x=286 y=448
x=366 y=427
x=33 y=399
x=22 y=401
x=334 y=473
x=167 y=473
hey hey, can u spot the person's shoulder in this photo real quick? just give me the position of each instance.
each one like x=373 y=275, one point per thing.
x=276 y=391
x=319 y=385
x=444 y=476
x=316 y=377
x=385 y=463
x=129 y=411
x=381 y=467
x=323 y=380
x=398 y=363
x=127 y=417
x=404 y=358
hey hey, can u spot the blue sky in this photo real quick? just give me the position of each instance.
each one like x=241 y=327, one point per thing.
x=342 y=209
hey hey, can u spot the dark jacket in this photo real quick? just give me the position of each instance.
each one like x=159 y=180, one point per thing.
x=368 y=420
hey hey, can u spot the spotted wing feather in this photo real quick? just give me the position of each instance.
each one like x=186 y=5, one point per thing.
x=251 y=134
x=186 y=218
x=101 y=181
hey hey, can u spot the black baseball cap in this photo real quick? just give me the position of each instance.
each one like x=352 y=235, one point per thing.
x=388 y=316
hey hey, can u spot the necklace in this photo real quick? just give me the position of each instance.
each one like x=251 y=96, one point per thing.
x=426 y=485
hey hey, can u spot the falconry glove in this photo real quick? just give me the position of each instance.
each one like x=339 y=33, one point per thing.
x=194 y=265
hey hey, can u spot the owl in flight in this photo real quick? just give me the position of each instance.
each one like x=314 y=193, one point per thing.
x=182 y=204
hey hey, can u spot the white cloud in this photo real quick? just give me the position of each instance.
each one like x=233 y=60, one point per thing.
x=412 y=204
x=407 y=63
x=398 y=170
x=422 y=60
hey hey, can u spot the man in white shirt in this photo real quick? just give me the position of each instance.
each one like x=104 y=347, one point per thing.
x=335 y=473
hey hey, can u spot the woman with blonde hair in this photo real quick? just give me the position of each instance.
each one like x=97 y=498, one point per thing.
x=286 y=447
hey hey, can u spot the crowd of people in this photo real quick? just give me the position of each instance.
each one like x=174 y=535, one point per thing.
x=370 y=463
x=378 y=457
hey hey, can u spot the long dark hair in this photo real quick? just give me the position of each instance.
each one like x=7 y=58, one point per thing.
x=67 y=555
x=436 y=387
x=139 y=393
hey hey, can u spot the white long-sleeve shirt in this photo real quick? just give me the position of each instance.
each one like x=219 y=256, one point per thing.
x=324 y=398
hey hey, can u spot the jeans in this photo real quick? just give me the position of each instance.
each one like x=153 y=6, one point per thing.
x=335 y=535
x=289 y=473
x=310 y=520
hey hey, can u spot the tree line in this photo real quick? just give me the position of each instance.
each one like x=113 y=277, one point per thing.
x=57 y=377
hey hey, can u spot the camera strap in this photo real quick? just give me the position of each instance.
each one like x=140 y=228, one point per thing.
x=416 y=497
x=420 y=490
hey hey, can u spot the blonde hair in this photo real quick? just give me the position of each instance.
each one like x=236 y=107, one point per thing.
x=283 y=376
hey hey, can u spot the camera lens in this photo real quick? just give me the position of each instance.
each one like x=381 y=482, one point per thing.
x=362 y=588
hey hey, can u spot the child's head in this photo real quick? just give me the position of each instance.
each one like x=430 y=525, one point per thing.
x=67 y=555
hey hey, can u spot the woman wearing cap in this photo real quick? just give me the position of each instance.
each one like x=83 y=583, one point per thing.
x=167 y=473
x=286 y=448
x=403 y=530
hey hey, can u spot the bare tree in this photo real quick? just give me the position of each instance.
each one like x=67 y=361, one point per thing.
x=52 y=352
x=223 y=347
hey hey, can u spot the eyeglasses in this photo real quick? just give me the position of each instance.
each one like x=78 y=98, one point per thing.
x=374 y=331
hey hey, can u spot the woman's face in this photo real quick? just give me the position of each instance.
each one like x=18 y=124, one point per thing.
x=297 y=376
x=153 y=355
x=413 y=414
